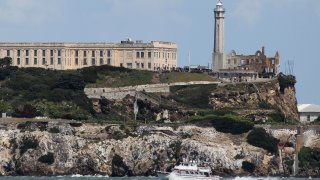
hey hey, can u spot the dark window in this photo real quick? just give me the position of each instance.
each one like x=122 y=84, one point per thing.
x=121 y=64
x=27 y=52
x=101 y=53
x=18 y=61
x=142 y=65
x=101 y=61
x=308 y=118
x=77 y=53
x=85 y=53
x=109 y=53
x=109 y=62
x=77 y=61
x=43 y=61
x=43 y=53
x=35 y=61
x=59 y=60
x=27 y=61
x=59 y=52
x=35 y=52
x=93 y=61
x=138 y=54
x=93 y=54
x=19 y=53
x=149 y=54
x=51 y=52
x=51 y=61
x=8 y=53
x=142 y=54
x=149 y=65
x=85 y=61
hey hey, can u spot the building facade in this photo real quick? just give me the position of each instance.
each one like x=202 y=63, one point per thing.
x=308 y=112
x=152 y=56
x=258 y=62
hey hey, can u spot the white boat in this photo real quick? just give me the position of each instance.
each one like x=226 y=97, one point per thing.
x=191 y=171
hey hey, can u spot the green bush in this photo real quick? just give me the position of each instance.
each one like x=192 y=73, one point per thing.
x=47 y=159
x=54 y=130
x=28 y=143
x=264 y=105
x=260 y=138
x=286 y=81
x=309 y=158
x=226 y=124
x=248 y=166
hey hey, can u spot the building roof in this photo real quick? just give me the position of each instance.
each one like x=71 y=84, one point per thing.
x=308 y=108
x=219 y=3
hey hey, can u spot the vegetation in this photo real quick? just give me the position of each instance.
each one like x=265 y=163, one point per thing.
x=260 y=138
x=194 y=96
x=47 y=159
x=28 y=143
x=226 y=123
x=173 y=77
x=54 y=130
x=309 y=158
x=248 y=166
x=286 y=81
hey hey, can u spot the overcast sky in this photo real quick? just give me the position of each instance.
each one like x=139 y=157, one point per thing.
x=290 y=26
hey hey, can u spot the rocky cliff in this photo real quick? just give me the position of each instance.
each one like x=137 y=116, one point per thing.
x=59 y=149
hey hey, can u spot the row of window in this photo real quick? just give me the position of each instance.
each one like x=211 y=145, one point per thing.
x=44 y=62
x=165 y=55
x=35 y=52
x=93 y=53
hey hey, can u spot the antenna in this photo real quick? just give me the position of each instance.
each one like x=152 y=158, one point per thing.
x=189 y=61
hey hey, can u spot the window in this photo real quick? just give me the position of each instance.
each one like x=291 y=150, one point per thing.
x=101 y=53
x=8 y=53
x=27 y=52
x=93 y=54
x=43 y=53
x=101 y=61
x=27 y=61
x=138 y=54
x=77 y=61
x=35 y=52
x=18 y=61
x=85 y=61
x=93 y=61
x=121 y=64
x=109 y=53
x=229 y=61
x=273 y=61
x=51 y=61
x=308 y=118
x=43 y=61
x=85 y=53
x=149 y=65
x=142 y=54
x=149 y=55
x=51 y=52
x=19 y=53
x=59 y=60
x=35 y=61
x=109 y=61
x=142 y=65
x=129 y=65
x=59 y=52
x=77 y=53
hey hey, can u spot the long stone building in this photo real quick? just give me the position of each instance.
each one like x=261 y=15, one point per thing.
x=152 y=56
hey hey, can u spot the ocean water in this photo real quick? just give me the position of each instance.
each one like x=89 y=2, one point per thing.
x=137 y=178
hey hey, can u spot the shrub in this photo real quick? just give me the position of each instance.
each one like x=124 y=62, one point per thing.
x=27 y=111
x=286 y=81
x=248 y=166
x=54 y=130
x=309 y=158
x=28 y=143
x=47 y=159
x=260 y=138
x=264 y=105
x=232 y=124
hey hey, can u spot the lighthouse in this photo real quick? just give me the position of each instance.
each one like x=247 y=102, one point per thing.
x=218 y=55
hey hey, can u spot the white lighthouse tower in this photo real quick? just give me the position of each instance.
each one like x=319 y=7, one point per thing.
x=218 y=55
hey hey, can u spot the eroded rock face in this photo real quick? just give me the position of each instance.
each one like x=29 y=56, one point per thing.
x=250 y=96
x=138 y=154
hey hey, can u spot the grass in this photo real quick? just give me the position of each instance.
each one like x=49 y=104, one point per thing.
x=174 y=77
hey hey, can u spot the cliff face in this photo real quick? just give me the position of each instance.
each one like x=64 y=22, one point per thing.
x=92 y=149
x=256 y=97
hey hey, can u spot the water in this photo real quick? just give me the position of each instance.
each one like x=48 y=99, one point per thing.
x=136 y=178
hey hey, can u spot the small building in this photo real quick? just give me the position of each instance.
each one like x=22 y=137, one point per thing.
x=308 y=112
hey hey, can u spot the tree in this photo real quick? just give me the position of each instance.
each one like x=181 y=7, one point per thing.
x=5 y=62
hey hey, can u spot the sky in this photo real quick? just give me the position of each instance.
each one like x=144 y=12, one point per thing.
x=290 y=26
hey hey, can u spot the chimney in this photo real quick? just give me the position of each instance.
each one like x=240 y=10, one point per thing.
x=263 y=50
